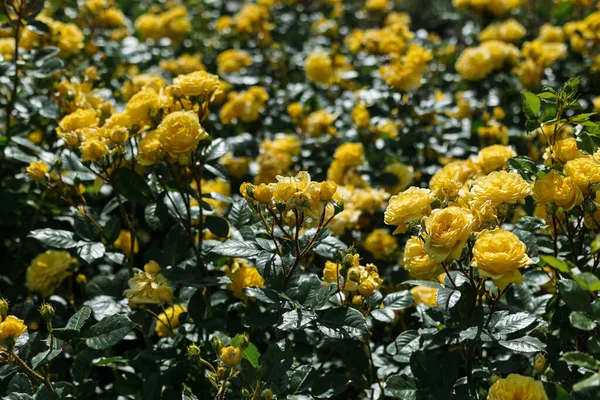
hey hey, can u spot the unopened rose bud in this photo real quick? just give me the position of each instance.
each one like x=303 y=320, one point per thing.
x=3 y=309
x=193 y=351
x=47 y=312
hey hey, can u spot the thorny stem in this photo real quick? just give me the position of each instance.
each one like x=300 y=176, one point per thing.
x=373 y=371
x=31 y=372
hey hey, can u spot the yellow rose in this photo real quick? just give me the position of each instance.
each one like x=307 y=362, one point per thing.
x=149 y=149
x=168 y=320
x=584 y=172
x=447 y=181
x=566 y=150
x=180 y=132
x=331 y=272
x=318 y=67
x=78 y=119
x=11 y=328
x=263 y=193
x=495 y=157
x=37 y=170
x=517 y=387
x=232 y=61
x=231 y=356
x=408 y=207
x=380 y=243
x=199 y=83
x=294 y=110
x=405 y=175
x=425 y=295
x=123 y=242
x=242 y=276
x=148 y=286
x=360 y=116
x=417 y=262
x=500 y=187
x=47 y=271
x=559 y=190
x=140 y=105
x=498 y=254
x=447 y=232
x=327 y=190
x=93 y=149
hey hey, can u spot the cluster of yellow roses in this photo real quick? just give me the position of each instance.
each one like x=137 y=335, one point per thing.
x=360 y=281
x=165 y=121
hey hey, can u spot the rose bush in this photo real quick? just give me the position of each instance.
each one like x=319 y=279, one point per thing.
x=291 y=199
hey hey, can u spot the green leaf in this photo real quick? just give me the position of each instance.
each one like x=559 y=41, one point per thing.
x=385 y=315
x=401 y=387
x=191 y=277
x=555 y=263
x=74 y=325
x=591 y=381
x=296 y=319
x=217 y=225
x=329 y=385
x=581 y=321
x=111 y=230
x=57 y=238
x=342 y=323
x=91 y=252
x=525 y=344
x=20 y=383
x=131 y=186
x=563 y=10
x=176 y=245
x=109 y=331
x=399 y=300
x=524 y=166
x=531 y=105
x=48 y=68
x=581 y=360
x=41 y=55
x=575 y=296
x=447 y=297
x=251 y=353
x=237 y=248
x=240 y=213
x=217 y=149
x=514 y=322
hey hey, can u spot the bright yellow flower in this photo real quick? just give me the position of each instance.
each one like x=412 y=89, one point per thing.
x=417 y=262
x=232 y=61
x=425 y=295
x=231 y=356
x=37 y=170
x=403 y=173
x=148 y=286
x=199 y=83
x=180 y=132
x=516 y=387
x=123 y=242
x=498 y=254
x=500 y=187
x=47 y=271
x=380 y=243
x=11 y=328
x=243 y=276
x=140 y=105
x=556 y=189
x=584 y=172
x=447 y=232
x=408 y=207
x=77 y=120
x=495 y=157
x=93 y=149
x=168 y=320
x=318 y=67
